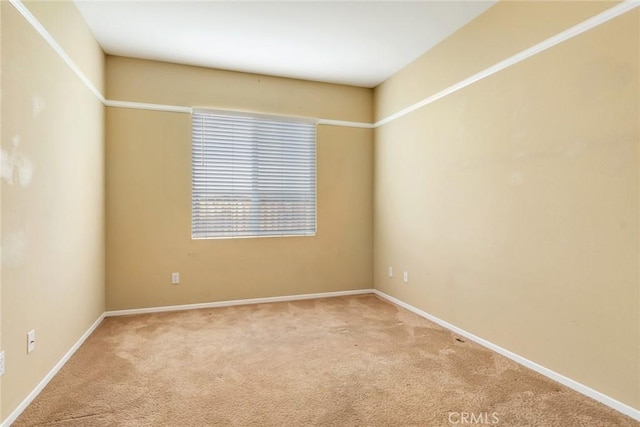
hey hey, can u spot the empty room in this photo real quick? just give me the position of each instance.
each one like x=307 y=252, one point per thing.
x=320 y=213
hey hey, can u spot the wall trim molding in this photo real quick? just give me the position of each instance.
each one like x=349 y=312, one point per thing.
x=249 y=301
x=52 y=373
x=343 y=123
x=580 y=388
x=572 y=384
x=40 y=29
x=588 y=24
x=26 y=13
x=565 y=35
x=148 y=106
x=609 y=14
x=13 y=416
x=190 y=110
x=601 y=18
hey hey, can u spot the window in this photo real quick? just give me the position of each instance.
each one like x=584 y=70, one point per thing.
x=252 y=176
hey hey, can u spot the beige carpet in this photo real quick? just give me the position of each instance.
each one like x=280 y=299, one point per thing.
x=352 y=361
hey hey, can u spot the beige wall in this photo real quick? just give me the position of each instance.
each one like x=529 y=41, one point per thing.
x=513 y=203
x=505 y=30
x=164 y=83
x=67 y=27
x=52 y=197
x=149 y=191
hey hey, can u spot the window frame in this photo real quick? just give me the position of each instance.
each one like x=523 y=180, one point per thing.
x=266 y=117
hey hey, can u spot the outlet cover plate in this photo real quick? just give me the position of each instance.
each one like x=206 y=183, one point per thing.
x=31 y=341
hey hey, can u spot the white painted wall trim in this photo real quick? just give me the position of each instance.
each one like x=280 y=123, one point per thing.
x=250 y=301
x=328 y=122
x=580 y=28
x=190 y=110
x=52 y=373
x=590 y=23
x=580 y=388
x=607 y=15
x=345 y=124
x=147 y=106
x=24 y=11
x=31 y=19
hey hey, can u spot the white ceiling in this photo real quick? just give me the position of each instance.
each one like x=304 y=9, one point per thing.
x=357 y=43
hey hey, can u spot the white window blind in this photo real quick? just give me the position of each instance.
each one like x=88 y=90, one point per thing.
x=252 y=176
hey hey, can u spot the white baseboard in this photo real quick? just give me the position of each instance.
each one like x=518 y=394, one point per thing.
x=580 y=388
x=52 y=373
x=236 y=302
x=34 y=393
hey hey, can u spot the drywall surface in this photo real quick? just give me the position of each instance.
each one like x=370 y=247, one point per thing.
x=512 y=26
x=149 y=193
x=52 y=201
x=172 y=84
x=67 y=26
x=513 y=203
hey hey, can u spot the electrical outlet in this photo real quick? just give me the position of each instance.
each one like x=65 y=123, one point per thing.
x=1 y=363
x=175 y=278
x=31 y=341
x=405 y=277
x=390 y=271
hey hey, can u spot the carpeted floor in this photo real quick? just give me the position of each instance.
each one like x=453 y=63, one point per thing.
x=349 y=361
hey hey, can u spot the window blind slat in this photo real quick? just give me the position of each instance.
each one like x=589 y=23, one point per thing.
x=252 y=176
